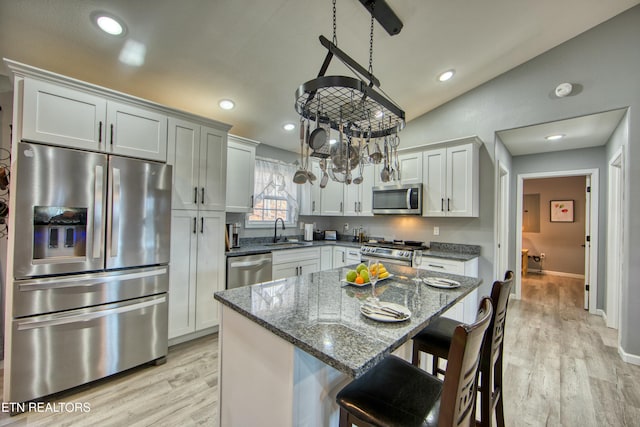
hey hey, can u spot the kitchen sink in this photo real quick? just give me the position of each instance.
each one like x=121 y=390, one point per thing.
x=288 y=244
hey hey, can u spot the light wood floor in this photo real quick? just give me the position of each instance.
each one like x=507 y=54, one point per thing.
x=561 y=369
x=562 y=366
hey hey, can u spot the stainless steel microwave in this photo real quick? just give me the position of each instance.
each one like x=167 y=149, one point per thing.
x=397 y=199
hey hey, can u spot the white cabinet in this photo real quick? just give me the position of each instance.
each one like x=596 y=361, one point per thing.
x=241 y=159
x=295 y=262
x=196 y=270
x=197 y=154
x=358 y=197
x=311 y=194
x=345 y=255
x=451 y=180
x=61 y=115
x=326 y=258
x=465 y=310
x=410 y=167
x=332 y=199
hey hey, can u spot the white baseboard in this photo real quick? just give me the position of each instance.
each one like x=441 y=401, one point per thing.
x=192 y=336
x=634 y=359
x=602 y=314
x=557 y=273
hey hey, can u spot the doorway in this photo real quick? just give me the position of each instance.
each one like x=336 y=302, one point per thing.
x=615 y=239
x=502 y=222
x=591 y=242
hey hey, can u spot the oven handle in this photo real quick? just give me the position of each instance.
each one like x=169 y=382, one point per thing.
x=73 y=282
x=65 y=319
x=366 y=258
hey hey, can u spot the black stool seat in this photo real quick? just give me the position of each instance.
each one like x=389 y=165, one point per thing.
x=439 y=332
x=394 y=393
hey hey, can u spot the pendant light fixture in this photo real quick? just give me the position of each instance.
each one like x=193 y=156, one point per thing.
x=356 y=107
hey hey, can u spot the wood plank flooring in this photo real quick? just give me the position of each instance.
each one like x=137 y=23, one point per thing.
x=561 y=369
x=562 y=366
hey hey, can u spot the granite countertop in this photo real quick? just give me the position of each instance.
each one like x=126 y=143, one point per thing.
x=258 y=248
x=321 y=315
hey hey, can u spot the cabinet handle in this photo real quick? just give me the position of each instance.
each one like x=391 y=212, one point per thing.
x=340 y=206
x=300 y=271
x=435 y=265
x=360 y=207
x=252 y=200
x=202 y=196
x=111 y=136
x=100 y=133
x=442 y=205
x=195 y=224
x=201 y=225
x=448 y=204
x=195 y=195
x=313 y=206
x=343 y=257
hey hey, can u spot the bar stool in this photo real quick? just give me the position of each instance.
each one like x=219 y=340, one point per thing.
x=396 y=393
x=436 y=340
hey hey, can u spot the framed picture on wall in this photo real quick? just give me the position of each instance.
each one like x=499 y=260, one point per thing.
x=561 y=210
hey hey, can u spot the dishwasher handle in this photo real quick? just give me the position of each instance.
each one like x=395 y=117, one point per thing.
x=249 y=264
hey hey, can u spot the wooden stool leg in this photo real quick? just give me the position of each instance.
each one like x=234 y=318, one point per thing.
x=434 y=366
x=415 y=359
x=344 y=418
x=486 y=404
x=498 y=387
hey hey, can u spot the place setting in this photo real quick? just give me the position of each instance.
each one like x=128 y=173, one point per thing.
x=381 y=311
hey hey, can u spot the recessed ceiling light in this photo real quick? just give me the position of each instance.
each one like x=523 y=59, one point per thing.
x=446 y=75
x=108 y=23
x=289 y=127
x=554 y=137
x=226 y=104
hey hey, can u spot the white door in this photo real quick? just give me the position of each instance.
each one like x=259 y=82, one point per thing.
x=241 y=159
x=184 y=155
x=459 y=181
x=434 y=170
x=211 y=267
x=182 y=273
x=137 y=132
x=63 y=116
x=587 y=242
x=213 y=169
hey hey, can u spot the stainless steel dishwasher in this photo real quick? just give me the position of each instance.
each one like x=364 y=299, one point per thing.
x=248 y=270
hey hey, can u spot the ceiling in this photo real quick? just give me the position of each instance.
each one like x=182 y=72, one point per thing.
x=258 y=52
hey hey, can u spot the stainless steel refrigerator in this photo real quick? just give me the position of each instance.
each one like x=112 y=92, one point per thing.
x=90 y=264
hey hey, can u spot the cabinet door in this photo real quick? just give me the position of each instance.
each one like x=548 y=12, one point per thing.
x=309 y=266
x=183 y=155
x=351 y=199
x=182 y=273
x=241 y=158
x=284 y=270
x=211 y=267
x=460 y=181
x=137 y=132
x=366 y=192
x=410 y=168
x=339 y=256
x=310 y=194
x=213 y=169
x=62 y=116
x=331 y=199
x=326 y=258
x=434 y=177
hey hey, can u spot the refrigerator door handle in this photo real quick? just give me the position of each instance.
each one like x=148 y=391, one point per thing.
x=65 y=318
x=115 y=213
x=77 y=281
x=97 y=211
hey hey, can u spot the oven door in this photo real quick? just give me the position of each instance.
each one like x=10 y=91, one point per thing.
x=384 y=260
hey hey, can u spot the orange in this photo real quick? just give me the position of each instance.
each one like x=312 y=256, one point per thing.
x=359 y=280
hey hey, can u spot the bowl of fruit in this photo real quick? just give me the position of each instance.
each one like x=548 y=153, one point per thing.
x=360 y=276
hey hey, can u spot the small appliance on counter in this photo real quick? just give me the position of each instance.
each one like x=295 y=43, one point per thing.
x=318 y=235
x=233 y=231
x=330 y=235
x=308 y=232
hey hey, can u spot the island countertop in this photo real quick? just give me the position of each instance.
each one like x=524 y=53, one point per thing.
x=320 y=314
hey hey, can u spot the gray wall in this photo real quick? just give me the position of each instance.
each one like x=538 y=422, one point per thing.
x=605 y=62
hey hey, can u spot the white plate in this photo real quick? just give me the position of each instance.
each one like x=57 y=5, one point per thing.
x=390 y=318
x=439 y=282
x=366 y=283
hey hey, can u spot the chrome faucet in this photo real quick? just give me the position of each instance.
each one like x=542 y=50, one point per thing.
x=275 y=230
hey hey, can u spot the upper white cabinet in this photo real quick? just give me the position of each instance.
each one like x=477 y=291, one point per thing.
x=450 y=180
x=60 y=115
x=241 y=159
x=197 y=154
x=358 y=197
x=410 y=168
x=332 y=198
x=311 y=193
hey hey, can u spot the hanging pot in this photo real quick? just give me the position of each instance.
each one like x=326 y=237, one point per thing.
x=319 y=135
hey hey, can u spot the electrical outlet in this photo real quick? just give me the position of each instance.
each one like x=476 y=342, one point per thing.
x=436 y=231
x=346 y=226
x=542 y=255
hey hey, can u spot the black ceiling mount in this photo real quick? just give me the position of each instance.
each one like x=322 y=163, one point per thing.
x=384 y=15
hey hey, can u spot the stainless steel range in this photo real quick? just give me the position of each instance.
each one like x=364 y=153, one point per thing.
x=390 y=252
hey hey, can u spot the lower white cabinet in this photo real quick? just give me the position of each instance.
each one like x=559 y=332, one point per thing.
x=326 y=258
x=295 y=262
x=465 y=310
x=345 y=255
x=196 y=270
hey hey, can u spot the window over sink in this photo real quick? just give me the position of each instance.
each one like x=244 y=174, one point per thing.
x=275 y=195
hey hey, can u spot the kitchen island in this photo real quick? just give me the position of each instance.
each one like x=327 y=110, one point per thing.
x=287 y=346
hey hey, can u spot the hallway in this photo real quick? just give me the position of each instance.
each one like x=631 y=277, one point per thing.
x=562 y=366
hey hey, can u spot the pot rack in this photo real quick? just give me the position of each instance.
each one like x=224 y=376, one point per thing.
x=352 y=103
